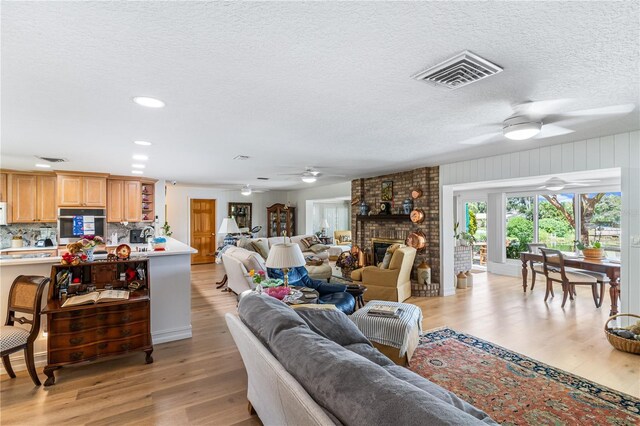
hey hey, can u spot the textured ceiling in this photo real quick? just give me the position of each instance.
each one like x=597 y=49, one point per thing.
x=294 y=84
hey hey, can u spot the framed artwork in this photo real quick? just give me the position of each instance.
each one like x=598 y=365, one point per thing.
x=386 y=191
x=241 y=212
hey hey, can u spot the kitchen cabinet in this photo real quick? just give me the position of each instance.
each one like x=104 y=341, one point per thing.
x=124 y=201
x=81 y=191
x=32 y=198
x=148 y=200
x=3 y=187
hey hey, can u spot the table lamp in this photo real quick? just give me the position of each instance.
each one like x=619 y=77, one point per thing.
x=228 y=227
x=285 y=256
x=325 y=227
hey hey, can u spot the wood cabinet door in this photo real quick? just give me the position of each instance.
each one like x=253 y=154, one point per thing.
x=69 y=191
x=46 y=199
x=95 y=191
x=203 y=237
x=23 y=198
x=115 y=199
x=132 y=201
x=3 y=187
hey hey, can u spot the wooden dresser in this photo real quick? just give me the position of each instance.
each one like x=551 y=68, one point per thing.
x=84 y=333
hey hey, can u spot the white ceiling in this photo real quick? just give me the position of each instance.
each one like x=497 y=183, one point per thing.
x=294 y=84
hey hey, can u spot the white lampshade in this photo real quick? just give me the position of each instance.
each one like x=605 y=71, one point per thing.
x=228 y=226
x=325 y=224
x=285 y=256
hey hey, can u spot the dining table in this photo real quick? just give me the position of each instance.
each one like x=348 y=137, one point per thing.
x=606 y=266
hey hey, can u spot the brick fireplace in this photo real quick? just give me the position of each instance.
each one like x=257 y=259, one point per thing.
x=397 y=228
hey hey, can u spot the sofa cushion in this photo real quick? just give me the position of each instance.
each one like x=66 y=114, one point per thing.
x=261 y=246
x=368 y=394
x=309 y=241
x=245 y=243
x=333 y=325
x=267 y=316
x=439 y=392
x=249 y=259
x=318 y=248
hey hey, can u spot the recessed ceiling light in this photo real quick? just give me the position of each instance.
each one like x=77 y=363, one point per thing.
x=138 y=166
x=136 y=172
x=44 y=166
x=140 y=157
x=148 y=102
x=143 y=143
x=520 y=128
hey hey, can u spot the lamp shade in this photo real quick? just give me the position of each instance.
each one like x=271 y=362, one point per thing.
x=325 y=224
x=285 y=256
x=228 y=226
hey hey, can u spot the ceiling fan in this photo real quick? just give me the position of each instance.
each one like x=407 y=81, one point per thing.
x=557 y=184
x=248 y=190
x=545 y=119
x=310 y=174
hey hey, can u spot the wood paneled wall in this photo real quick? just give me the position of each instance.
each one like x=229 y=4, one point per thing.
x=621 y=150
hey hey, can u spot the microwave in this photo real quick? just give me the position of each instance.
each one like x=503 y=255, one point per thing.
x=74 y=223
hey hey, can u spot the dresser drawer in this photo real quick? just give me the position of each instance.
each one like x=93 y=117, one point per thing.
x=122 y=331
x=71 y=324
x=122 y=345
x=133 y=313
x=75 y=354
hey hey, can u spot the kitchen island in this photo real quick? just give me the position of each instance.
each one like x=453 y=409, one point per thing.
x=170 y=274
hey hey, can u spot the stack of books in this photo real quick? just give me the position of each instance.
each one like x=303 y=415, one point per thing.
x=384 y=311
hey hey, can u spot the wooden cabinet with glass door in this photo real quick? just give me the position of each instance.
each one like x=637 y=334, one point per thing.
x=281 y=221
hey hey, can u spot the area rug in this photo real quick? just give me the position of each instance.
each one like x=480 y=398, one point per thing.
x=514 y=389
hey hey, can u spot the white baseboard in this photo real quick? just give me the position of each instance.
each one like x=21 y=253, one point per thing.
x=18 y=364
x=171 y=334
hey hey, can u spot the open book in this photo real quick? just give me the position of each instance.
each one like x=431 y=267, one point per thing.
x=97 y=297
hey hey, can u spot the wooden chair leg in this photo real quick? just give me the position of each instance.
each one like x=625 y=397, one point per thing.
x=566 y=289
x=572 y=290
x=31 y=364
x=549 y=288
x=533 y=278
x=594 y=293
x=6 y=362
x=602 y=288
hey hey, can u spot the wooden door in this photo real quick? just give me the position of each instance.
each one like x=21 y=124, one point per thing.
x=203 y=232
x=3 y=187
x=69 y=191
x=23 y=198
x=132 y=201
x=46 y=199
x=115 y=198
x=95 y=191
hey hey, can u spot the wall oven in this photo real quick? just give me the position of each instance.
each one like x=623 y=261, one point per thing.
x=74 y=223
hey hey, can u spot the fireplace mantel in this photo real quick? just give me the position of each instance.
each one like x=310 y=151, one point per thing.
x=392 y=217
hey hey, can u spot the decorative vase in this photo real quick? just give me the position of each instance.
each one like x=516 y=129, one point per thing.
x=407 y=206
x=364 y=208
x=593 y=253
x=469 y=279
x=462 y=280
x=424 y=273
x=89 y=253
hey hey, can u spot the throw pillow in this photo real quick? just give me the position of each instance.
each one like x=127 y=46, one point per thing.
x=386 y=261
x=245 y=243
x=261 y=247
x=317 y=248
x=307 y=242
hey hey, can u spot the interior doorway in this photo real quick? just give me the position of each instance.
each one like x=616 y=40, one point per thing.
x=475 y=223
x=203 y=233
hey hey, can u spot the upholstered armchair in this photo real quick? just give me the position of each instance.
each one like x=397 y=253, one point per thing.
x=342 y=238
x=392 y=284
x=333 y=294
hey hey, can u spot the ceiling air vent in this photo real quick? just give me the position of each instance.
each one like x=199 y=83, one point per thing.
x=241 y=157
x=464 y=68
x=262 y=178
x=53 y=160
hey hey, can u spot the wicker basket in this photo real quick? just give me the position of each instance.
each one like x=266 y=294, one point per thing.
x=620 y=343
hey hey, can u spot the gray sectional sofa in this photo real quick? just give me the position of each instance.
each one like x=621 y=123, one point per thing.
x=314 y=367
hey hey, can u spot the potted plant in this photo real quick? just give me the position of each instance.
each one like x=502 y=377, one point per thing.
x=591 y=251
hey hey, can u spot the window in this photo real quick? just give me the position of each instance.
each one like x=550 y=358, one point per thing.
x=338 y=216
x=600 y=221
x=556 y=221
x=520 y=225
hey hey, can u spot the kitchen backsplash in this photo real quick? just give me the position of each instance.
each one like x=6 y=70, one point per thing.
x=31 y=232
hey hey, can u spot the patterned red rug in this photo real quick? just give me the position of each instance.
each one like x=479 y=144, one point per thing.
x=514 y=389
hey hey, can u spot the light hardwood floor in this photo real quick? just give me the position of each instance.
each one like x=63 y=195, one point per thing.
x=202 y=380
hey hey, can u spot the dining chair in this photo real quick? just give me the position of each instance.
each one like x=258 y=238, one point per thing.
x=555 y=271
x=536 y=267
x=25 y=296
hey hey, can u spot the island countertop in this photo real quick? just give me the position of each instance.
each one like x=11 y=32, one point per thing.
x=173 y=247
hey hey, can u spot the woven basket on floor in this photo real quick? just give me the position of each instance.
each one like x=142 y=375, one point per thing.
x=620 y=343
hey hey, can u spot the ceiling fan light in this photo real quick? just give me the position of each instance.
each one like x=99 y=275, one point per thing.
x=309 y=178
x=520 y=128
x=246 y=190
x=555 y=187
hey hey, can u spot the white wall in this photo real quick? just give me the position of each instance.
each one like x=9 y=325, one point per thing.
x=621 y=150
x=178 y=201
x=298 y=199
